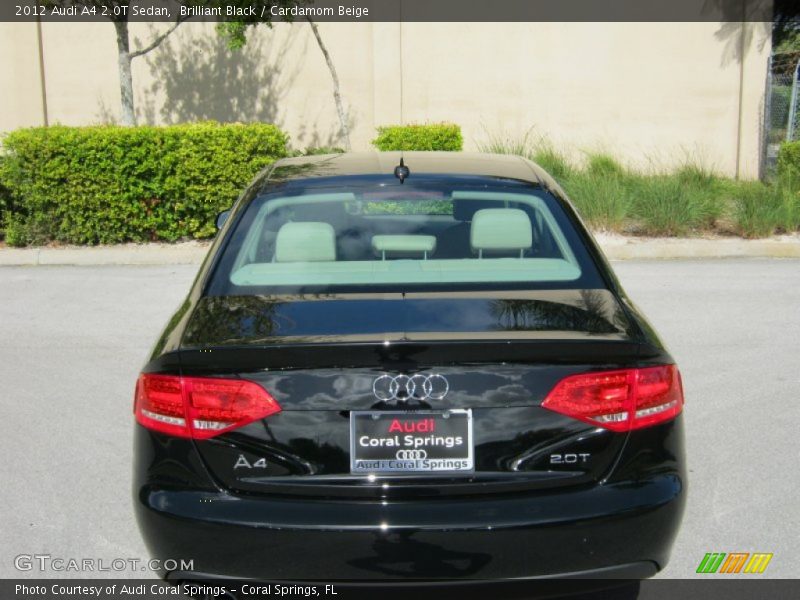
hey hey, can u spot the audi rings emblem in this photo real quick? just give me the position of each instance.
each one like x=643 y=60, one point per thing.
x=411 y=454
x=405 y=387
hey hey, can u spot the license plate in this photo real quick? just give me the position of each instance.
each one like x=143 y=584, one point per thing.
x=411 y=442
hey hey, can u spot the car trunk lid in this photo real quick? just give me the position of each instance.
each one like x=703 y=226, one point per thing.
x=322 y=358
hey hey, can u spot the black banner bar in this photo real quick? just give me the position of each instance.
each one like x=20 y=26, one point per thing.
x=391 y=10
x=713 y=588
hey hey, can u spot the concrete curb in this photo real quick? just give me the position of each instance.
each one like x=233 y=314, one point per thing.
x=185 y=253
x=615 y=247
x=622 y=248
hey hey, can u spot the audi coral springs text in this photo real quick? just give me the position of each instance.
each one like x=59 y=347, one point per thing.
x=408 y=371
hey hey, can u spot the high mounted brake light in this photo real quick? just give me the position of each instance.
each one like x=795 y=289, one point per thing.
x=199 y=407
x=620 y=400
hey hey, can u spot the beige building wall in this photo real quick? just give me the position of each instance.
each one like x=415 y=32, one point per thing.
x=20 y=80
x=652 y=94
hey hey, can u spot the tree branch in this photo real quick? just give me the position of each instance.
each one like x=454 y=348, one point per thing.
x=337 y=95
x=157 y=41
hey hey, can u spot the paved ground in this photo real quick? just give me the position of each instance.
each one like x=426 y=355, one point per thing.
x=75 y=337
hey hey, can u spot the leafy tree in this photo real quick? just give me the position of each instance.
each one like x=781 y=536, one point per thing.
x=118 y=12
x=786 y=26
x=785 y=36
x=235 y=31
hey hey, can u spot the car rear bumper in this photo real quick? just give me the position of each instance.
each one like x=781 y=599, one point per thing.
x=623 y=530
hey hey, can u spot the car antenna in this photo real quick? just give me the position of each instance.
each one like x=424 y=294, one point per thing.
x=401 y=171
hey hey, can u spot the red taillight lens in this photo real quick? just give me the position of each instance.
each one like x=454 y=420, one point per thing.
x=158 y=404
x=199 y=407
x=620 y=400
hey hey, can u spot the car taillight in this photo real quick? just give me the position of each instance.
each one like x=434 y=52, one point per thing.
x=620 y=400
x=199 y=407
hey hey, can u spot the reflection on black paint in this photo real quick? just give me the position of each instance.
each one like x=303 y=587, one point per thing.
x=401 y=555
x=221 y=320
x=325 y=457
x=230 y=319
x=535 y=315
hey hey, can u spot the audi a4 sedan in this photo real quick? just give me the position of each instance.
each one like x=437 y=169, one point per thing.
x=406 y=369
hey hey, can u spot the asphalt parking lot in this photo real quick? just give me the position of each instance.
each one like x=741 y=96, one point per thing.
x=73 y=339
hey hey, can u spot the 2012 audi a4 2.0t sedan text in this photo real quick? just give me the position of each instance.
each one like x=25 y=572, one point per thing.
x=416 y=369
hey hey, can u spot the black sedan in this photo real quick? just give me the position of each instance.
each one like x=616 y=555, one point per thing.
x=408 y=371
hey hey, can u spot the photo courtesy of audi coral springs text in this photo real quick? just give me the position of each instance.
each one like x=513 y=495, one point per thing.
x=408 y=368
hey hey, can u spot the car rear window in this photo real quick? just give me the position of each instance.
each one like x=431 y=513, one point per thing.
x=384 y=236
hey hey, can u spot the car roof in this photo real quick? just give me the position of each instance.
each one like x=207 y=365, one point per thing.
x=383 y=163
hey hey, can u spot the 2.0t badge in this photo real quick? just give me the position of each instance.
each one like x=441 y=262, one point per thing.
x=404 y=387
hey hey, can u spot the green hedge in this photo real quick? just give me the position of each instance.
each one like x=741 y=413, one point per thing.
x=108 y=184
x=439 y=136
x=789 y=162
x=5 y=196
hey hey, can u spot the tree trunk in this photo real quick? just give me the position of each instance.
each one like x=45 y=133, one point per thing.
x=337 y=95
x=128 y=110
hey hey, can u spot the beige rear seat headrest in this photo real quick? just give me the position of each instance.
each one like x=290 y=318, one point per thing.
x=308 y=241
x=498 y=230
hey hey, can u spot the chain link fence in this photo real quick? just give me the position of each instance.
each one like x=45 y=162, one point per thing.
x=782 y=111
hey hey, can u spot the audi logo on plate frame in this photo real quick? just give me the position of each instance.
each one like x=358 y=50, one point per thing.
x=404 y=387
x=411 y=454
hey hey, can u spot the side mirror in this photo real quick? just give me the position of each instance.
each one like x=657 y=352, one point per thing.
x=222 y=217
